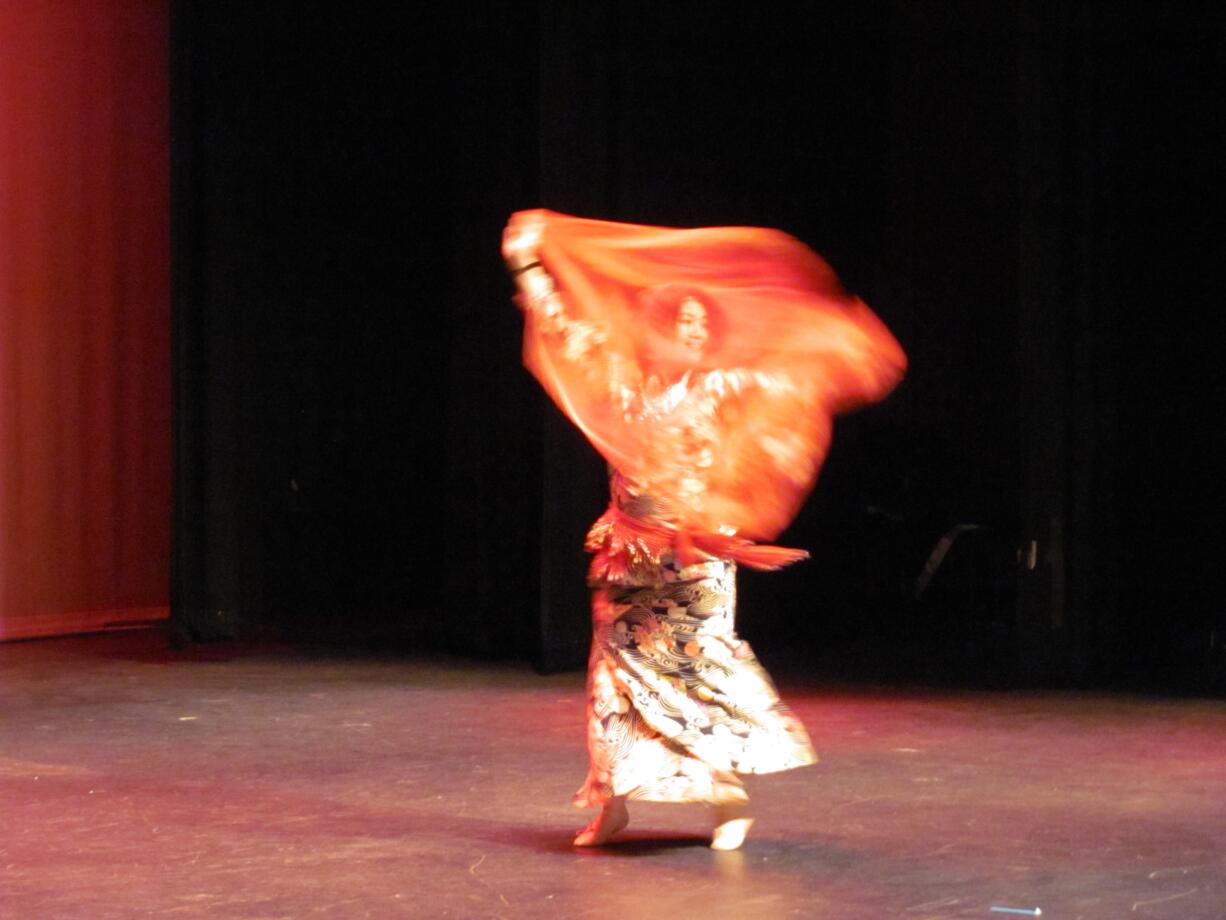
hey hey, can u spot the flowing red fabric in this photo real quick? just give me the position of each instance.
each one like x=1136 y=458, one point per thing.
x=779 y=317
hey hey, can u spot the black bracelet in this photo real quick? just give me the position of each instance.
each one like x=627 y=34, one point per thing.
x=516 y=272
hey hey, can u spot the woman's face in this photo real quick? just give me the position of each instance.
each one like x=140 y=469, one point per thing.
x=691 y=325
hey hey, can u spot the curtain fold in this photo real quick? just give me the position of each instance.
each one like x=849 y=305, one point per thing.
x=84 y=315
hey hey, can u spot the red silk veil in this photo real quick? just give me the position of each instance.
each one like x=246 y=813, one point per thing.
x=781 y=317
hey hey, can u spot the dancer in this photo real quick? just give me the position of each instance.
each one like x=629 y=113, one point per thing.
x=704 y=365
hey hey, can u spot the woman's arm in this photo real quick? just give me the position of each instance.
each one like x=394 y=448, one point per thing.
x=539 y=295
x=739 y=381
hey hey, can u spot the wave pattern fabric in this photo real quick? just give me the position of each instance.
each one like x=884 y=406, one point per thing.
x=678 y=705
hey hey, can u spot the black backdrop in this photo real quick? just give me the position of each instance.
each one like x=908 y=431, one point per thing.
x=1021 y=190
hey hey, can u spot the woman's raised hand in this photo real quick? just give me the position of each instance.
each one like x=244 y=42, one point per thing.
x=521 y=240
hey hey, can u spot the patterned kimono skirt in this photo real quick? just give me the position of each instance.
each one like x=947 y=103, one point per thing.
x=677 y=704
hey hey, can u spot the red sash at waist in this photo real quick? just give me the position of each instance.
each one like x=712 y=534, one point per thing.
x=623 y=543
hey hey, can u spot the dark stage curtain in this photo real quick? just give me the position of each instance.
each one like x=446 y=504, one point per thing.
x=84 y=315
x=1167 y=210
x=356 y=442
x=1070 y=112
x=1116 y=166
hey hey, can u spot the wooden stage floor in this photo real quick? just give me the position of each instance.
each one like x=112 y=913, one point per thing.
x=272 y=783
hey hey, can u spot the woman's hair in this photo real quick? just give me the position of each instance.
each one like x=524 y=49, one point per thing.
x=659 y=307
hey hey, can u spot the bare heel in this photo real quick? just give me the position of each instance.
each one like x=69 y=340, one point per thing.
x=612 y=818
x=732 y=823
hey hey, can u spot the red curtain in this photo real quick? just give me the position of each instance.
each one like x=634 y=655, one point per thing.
x=84 y=315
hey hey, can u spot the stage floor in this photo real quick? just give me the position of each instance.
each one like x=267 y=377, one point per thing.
x=272 y=783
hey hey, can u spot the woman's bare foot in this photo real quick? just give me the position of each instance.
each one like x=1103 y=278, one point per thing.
x=732 y=823
x=612 y=818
